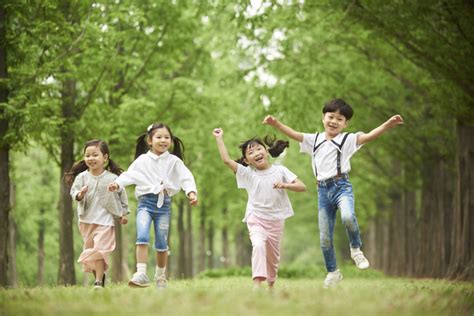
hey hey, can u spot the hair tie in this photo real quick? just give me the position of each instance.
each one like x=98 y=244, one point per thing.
x=149 y=128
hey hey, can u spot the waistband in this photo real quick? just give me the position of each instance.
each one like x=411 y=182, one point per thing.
x=333 y=179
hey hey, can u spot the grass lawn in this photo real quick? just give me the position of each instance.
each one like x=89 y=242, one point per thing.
x=234 y=296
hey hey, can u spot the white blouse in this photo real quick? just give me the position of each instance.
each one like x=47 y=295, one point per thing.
x=153 y=173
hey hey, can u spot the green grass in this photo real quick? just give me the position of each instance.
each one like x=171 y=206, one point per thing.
x=234 y=296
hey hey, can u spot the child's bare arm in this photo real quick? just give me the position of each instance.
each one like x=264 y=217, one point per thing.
x=218 y=133
x=288 y=131
x=376 y=132
x=296 y=186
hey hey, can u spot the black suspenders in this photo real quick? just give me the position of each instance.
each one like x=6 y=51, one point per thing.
x=315 y=147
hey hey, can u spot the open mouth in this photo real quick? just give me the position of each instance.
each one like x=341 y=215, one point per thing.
x=258 y=159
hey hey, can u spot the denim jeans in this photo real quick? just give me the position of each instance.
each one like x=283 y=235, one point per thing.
x=149 y=212
x=335 y=195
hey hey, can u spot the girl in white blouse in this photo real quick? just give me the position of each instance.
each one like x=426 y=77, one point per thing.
x=268 y=204
x=157 y=175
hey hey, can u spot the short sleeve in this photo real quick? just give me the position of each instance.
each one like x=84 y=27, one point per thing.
x=243 y=176
x=350 y=146
x=288 y=175
x=306 y=146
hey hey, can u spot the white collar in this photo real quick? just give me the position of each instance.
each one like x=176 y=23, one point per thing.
x=156 y=157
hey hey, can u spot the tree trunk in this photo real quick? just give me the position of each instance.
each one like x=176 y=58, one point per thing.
x=189 y=243
x=41 y=232
x=202 y=239
x=210 y=249
x=182 y=240
x=409 y=207
x=462 y=255
x=4 y=154
x=66 y=214
x=12 y=275
x=118 y=273
x=225 y=240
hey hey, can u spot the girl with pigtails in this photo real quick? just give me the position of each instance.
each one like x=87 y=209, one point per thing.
x=96 y=207
x=268 y=204
x=158 y=173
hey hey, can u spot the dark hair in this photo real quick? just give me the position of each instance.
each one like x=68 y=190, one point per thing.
x=81 y=166
x=142 y=146
x=339 y=105
x=275 y=146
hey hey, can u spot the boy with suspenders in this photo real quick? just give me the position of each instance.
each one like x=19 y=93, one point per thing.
x=330 y=153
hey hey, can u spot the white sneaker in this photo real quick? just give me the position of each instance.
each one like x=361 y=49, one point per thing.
x=139 y=279
x=360 y=260
x=332 y=279
x=161 y=282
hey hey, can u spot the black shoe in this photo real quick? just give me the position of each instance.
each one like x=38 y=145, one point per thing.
x=98 y=285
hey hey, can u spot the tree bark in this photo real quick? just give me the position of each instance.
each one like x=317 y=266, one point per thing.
x=66 y=273
x=225 y=240
x=462 y=256
x=202 y=239
x=12 y=274
x=41 y=232
x=210 y=249
x=4 y=154
x=189 y=243
x=182 y=241
x=118 y=258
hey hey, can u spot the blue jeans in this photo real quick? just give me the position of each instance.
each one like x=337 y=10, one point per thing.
x=331 y=196
x=149 y=212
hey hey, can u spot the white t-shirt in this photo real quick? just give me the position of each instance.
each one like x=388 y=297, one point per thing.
x=325 y=156
x=264 y=201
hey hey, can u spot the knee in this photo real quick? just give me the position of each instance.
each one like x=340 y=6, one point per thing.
x=348 y=220
x=325 y=241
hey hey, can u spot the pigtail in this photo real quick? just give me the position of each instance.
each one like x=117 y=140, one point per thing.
x=114 y=168
x=275 y=146
x=77 y=168
x=142 y=146
x=241 y=161
x=178 y=148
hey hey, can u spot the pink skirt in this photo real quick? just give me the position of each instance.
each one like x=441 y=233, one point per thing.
x=99 y=241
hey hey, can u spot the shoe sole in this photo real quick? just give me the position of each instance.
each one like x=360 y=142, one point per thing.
x=133 y=284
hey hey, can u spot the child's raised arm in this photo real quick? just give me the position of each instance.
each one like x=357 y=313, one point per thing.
x=376 y=132
x=218 y=133
x=288 y=131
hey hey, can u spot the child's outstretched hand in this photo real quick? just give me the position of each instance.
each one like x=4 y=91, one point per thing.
x=112 y=187
x=124 y=220
x=192 y=197
x=270 y=120
x=280 y=185
x=82 y=193
x=217 y=132
x=394 y=121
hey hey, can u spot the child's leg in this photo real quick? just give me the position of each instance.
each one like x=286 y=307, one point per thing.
x=143 y=238
x=99 y=270
x=326 y=221
x=345 y=201
x=161 y=222
x=275 y=232
x=258 y=237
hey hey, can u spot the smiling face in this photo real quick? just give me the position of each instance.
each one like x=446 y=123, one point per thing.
x=334 y=123
x=256 y=156
x=95 y=159
x=159 y=141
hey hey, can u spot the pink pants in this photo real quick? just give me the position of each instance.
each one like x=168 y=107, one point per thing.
x=265 y=236
x=99 y=242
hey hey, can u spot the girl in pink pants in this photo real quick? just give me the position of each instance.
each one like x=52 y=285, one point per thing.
x=268 y=205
